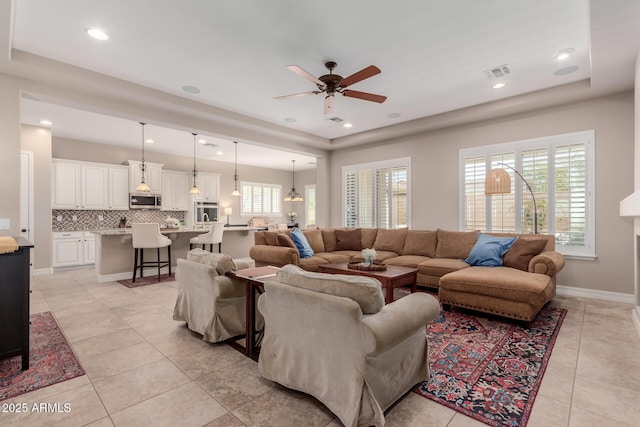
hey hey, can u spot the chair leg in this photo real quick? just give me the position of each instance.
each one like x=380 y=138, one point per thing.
x=141 y=263
x=190 y=246
x=204 y=246
x=169 y=254
x=211 y=247
x=135 y=263
x=220 y=247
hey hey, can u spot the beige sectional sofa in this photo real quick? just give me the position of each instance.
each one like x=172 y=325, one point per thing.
x=517 y=291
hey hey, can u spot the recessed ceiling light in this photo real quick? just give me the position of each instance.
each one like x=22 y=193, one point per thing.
x=563 y=54
x=498 y=85
x=219 y=153
x=290 y=120
x=202 y=141
x=97 y=34
x=394 y=115
x=149 y=141
x=190 y=89
x=347 y=125
x=46 y=122
x=566 y=70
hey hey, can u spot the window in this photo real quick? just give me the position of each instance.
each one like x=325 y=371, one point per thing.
x=261 y=199
x=310 y=203
x=559 y=169
x=376 y=194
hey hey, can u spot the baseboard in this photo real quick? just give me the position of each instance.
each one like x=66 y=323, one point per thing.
x=635 y=315
x=42 y=271
x=591 y=293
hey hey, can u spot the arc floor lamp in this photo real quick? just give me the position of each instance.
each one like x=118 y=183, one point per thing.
x=498 y=181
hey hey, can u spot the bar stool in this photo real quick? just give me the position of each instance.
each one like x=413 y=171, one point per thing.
x=148 y=236
x=211 y=238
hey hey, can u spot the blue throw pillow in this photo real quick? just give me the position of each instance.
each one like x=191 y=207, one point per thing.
x=488 y=250
x=301 y=244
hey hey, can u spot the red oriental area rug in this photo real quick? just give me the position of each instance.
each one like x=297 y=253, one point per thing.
x=51 y=360
x=489 y=368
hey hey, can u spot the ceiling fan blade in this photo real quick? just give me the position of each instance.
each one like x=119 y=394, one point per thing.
x=365 y=73
x=297 y=95
x=365 y=95
x=304 y=73
x=328 y=104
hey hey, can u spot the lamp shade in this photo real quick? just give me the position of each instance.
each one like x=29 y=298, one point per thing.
x=228 y=211
x=497 y=181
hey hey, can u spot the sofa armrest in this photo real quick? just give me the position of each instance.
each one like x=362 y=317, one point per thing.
x=274 y=255
x=398 y=320
x=547 y=262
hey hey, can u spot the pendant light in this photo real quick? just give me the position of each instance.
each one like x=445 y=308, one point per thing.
x=143 y=186
x=194 y=189
x=235 y=191
x=293 y=195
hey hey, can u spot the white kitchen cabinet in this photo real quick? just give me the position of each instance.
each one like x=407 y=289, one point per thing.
x=175 y=191
x=65 y=185
x=94 y=186
x=89 y=248
x=153 y=176
x=73 y=248
x=209 y=185
x=118 y=188
x=79 y=185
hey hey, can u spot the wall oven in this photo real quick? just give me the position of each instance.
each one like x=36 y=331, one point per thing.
x=205 y=212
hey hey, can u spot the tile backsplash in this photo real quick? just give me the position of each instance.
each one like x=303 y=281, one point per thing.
x=90 y=220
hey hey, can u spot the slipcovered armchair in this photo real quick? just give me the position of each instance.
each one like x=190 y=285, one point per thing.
x=211 y=303
x=332 y=336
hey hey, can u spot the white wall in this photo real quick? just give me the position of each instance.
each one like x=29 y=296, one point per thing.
x=434 y=177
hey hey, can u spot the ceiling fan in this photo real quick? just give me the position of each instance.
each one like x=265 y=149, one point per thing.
x=330 y=84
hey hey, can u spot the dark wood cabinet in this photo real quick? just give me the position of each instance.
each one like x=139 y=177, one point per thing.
x=14 y=302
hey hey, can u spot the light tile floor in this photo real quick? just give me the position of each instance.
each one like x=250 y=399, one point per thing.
x=143 y=368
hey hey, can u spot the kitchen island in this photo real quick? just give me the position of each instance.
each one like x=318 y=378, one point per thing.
x=114 y=251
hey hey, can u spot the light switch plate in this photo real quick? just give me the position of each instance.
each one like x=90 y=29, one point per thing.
x=5 y=224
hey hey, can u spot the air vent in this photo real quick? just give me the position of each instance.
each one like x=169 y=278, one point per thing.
x=497 y=72
x=335 y=119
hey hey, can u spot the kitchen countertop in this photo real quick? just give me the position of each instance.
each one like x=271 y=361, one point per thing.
x=125 y=231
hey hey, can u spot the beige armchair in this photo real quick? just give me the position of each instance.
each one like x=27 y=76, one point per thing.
x=332 y=336
x=211 y=303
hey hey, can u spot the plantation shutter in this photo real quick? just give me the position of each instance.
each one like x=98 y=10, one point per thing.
x=376 y=195
x=570 y=194
x=261 y=199
x=475 y=209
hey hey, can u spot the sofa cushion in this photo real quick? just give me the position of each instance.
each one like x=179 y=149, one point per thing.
x=421 y=243
x=283 y=239
x=314 y=237
x=223 y=263
x=368 y=237
x=391 y=240
x=301 y=243
x=455 y=244
x=333 y=256
x=504 y=282
x=348 y=240
x=406 y=260
x=488 y=250
x=329 y=238
x=313 y=263
x=521 y=252
x=441 y=266
x=366 y=291
x=259 y=238
x=271 y=237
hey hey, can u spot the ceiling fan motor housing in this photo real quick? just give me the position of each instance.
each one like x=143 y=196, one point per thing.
x=331 y=81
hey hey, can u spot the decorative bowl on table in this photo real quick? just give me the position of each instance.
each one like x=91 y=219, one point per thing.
x=363 y=266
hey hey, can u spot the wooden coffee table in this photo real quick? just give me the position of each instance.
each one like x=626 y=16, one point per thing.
x=394 y=276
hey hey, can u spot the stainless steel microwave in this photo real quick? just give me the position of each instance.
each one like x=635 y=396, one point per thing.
x=145 y=201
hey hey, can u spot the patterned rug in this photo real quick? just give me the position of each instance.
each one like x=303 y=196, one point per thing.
x=489 y=368
x=148 y=280
x=51 y=360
